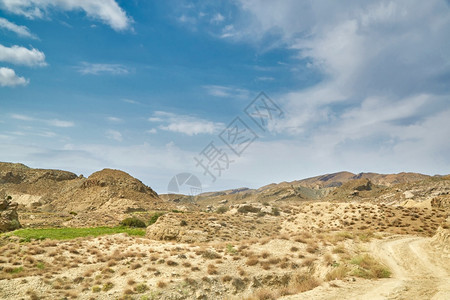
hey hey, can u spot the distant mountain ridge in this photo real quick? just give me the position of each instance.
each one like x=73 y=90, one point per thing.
x=327 y=187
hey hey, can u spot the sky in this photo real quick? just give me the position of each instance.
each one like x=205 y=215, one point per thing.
x=237 y=93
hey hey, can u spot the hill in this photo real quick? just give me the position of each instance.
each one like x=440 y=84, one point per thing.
x=335 y=186
x=105 y=197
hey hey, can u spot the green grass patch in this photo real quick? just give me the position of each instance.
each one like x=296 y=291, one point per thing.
x=40 y=265
x=29 y=234
x=14 y=270
x=231 y=249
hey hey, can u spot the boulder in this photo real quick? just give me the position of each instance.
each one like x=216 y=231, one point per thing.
x=9 y=219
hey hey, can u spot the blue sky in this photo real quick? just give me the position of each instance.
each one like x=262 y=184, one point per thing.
x=145 y=86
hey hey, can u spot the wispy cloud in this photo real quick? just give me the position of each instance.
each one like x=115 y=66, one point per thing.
x=59 y=123
x=114 y=119
x=217 y=18
x=265 y=78
x=22 y=31
x=8 y=77
x=107 y=11
x=99 y=69
x=229 y=32
x=185 y=124
x=131 y=101
x=22 y=117
x=51 y=122
x=226 y=91
x=22 y=56
x=114 y=135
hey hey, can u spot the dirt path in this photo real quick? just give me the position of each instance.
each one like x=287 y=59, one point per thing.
x=418 y=272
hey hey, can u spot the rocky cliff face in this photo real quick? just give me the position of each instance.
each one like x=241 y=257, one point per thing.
x=9 y=219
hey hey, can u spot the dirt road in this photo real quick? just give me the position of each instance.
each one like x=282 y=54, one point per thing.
x=419 y=271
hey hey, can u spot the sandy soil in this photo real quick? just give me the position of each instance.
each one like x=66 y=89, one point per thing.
x=418 y=272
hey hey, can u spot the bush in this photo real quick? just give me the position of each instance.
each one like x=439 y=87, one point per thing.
x=133 y=222
x=275 y=211
x=183 y=223
x=369 y=268
x=141 y=288
x=248 y=209
x=154 y=218
x=108 y=286
x=222 y=209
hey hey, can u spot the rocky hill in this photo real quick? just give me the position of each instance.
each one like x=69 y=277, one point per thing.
x=109 y=194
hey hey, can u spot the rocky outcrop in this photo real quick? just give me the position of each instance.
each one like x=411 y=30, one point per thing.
x=442 y=201
x=441 y=240
x=9 y=219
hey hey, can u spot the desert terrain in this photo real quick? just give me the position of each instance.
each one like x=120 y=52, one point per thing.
x=336 y=236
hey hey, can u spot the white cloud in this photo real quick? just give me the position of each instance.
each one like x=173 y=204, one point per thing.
x=217 y=18
x=187 y=19
x=22 y=56
x=265 y=78
x=22 y=31
x=50 y=122
x=60 y=123
x=98 y=69
x=385 y=68
x=8 y=77
x=22 y=117
x=114 y=119
x=131 y=101
x=152 y=131
x=226 y=91
x=230 y=32
x=114 y=135
x=185 y=124
x=107 y=11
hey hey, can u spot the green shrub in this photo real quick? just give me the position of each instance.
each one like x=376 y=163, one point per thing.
x=40 y=265
x=14 y=224
x=141 y=288
x=154 y=218
x=183 y=223
x=133 y=222
x=231 y=249
x=248 y=208
x=275 y=211
x=108 y=286
x=222 y=209
x=369 y=268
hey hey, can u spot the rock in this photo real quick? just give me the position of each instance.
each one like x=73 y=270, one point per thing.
x=223 y=201
x=266 y=209
x=199 y=295
x=9 y=219
x=408 y=195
